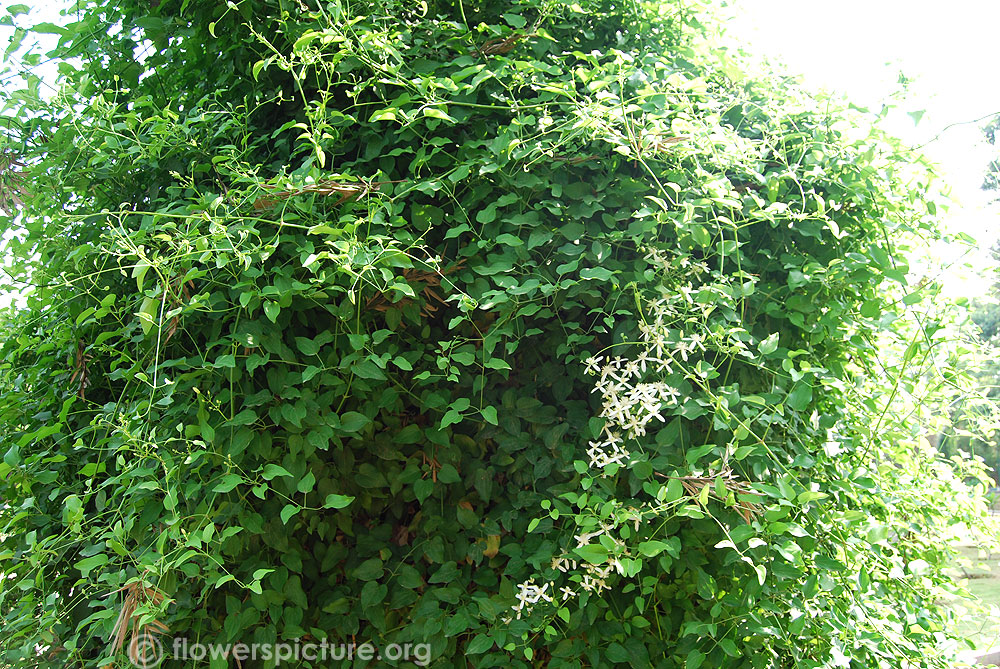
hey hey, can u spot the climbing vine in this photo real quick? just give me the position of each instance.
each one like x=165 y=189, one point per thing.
x=539 y=332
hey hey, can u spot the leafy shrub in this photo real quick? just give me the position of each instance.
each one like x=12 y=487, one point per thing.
x=538 y=332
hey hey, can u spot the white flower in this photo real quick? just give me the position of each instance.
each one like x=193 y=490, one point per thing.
x=635 y=426
x=593 y=364
x=663 y=365
x=563 y=564
x=600 y=458
x=530 y=594
x=644 y=357
x=631 y=369
x=658 y=342
x=611 y=370
x=584 y=539
x=668 y=394
x=591 y=584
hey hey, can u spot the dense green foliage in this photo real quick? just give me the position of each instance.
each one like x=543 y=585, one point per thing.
x=314 y=289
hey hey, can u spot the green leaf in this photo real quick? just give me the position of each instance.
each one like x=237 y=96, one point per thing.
x=422 y=489
x=824 y=562
x=337 y=501
x=307 y=346
x=222 y=580
x=306 y=483
x=383 y=115
x=480 y=644
x=489 y=415
x=596 y=273
x=245 y=417
x=12 y=458
x=652 y=548
x=409 y=577
x=769 y=344
x=695 y=659
x=448 y=474
x=48 y=28
x=228 y=482
x=288 y=511
x=434 y=112
x=451 y=417
x=257 y=67
x=227 y=361
x=369 y=570
x=271 y=310
x=411 y=434
x=675 y=491
x=515 y=21
x=272 y=470
x=305 y=40
x=352 y=421
x=426 y=216
x=872 y=308
x=367 y=369
x=87 y=565
x=147 y=314
x=592 y=553
x=800 y=396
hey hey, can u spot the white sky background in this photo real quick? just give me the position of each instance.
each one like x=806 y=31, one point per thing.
x=859 y=48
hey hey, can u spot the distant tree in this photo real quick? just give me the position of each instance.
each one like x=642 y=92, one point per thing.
x=986 y=315
x=991 y=180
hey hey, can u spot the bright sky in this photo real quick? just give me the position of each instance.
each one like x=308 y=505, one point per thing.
x=859 y=48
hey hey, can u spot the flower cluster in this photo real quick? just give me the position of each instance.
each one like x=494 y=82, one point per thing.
x=630 y=402
x=529 y=594
x=593 y=579
x=635 y=391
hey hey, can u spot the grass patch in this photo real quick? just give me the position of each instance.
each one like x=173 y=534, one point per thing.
x=982 y=579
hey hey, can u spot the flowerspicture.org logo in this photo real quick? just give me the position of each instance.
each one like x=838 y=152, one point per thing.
x=146 y=651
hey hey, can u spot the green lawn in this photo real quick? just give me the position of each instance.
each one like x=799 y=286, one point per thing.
x=982 y=579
